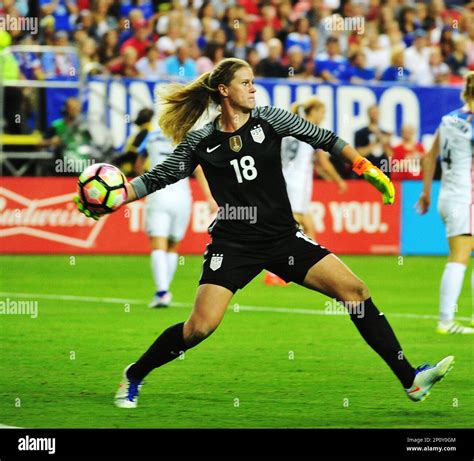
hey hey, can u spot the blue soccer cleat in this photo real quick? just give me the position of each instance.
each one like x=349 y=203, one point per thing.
x=426 y=376
x=127 y=394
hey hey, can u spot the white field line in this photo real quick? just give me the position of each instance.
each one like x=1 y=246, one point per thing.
x=2 y=426
x=279 y=310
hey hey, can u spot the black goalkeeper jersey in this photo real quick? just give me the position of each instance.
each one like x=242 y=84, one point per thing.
x=244 y=171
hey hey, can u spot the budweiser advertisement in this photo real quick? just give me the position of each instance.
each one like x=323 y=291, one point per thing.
x=37 y=216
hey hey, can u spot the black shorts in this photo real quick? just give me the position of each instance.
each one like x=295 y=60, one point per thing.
x=233 y=265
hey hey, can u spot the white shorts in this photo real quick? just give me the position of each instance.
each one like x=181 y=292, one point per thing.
x=300 y=195
x=166 y=216
x=457 y=217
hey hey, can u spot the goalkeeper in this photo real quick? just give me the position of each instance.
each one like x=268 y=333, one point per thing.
x=239 y=152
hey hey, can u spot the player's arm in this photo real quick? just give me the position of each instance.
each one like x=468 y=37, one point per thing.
x=286 y=123
x=179 y=165
x=326 y=165
x=429 y=167
x=204 y=185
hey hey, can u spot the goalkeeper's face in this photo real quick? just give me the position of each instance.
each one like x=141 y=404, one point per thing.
x=241 y=90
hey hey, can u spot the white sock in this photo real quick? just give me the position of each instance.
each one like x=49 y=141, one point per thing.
x=159 y=268
x=172 y=264
x=451 y=285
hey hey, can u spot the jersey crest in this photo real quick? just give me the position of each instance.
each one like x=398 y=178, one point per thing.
x=258 y=134
x=216 y=261
x=235 y=143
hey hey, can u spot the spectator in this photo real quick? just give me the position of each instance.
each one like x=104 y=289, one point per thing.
x=406 y=159
x=446 y=42
x=296 y=62
x=417 y=59
x=233 y=16
x=470 y=45
x=89 y=56
x=357 y=72
x=128 y=25
x=239 y=45
x=409 y=24
x=262 y=44
x=70 y=137
x=63 y=11
x=372 y=142
x=392 y=38
x=397 y=72
x=213 y=53
x=300 y=36
x=139 y=41
x=126 y=66
x=167 y=44
x=439 y=70
x=457 y=60
x=150 y=67
x=108 y=48
x=253 y=58
x=331 y=65
x=267 y=17
x=85 y=22
x=103 y=22
x=207 y=11
x=271 y=66
x=181 y=65
x=377 y=56
x=47 y=30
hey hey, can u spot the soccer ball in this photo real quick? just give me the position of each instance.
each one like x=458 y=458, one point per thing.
x=102 y=188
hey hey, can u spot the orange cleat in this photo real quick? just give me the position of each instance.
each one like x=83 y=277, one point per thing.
x=271 y=279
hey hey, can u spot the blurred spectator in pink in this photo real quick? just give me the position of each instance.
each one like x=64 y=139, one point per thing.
x=271 y=66
x=139 y=41
x=212 y=54
x=407 y=156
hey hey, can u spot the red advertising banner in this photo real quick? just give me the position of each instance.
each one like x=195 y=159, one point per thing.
x=37 y=216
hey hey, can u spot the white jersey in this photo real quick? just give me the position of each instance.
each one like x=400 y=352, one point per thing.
x=297 y=163
x=159 y=148
x=456 y=138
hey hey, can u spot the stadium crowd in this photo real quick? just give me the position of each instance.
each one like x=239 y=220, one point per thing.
x=388 y=40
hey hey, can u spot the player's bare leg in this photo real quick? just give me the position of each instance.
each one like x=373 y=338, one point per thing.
x=209 y=309
x=332 y=277
x=460 y=248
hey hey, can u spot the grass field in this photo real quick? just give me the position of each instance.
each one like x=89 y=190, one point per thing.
x=263 y=367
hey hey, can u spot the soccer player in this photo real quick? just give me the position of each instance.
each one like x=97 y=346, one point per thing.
x=239 y=152
x=298 y=164
x=454 y=141
x=167 y=214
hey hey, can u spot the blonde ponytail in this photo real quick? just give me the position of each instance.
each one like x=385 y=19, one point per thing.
x=468 y=92
x=183 y=105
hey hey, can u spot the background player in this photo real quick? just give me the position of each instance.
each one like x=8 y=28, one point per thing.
x=167 y=214
x=454 y=141
x=298 y=159
x=239 y=154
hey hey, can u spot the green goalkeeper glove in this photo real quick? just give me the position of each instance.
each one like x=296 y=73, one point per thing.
x=376 y=177
x=83 y=209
